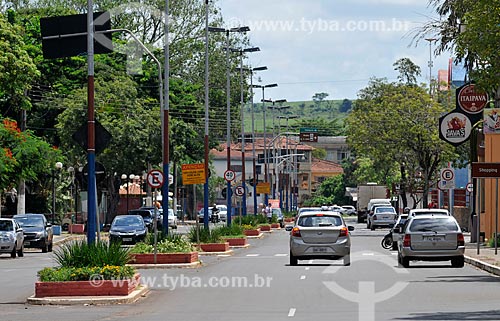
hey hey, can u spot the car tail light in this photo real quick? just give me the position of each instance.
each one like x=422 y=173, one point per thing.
x=407 y=240
x=460 y=239
x=296 y=232
x=344 y=231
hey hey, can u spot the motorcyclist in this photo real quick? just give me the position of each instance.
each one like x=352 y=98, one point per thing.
x=406 y=210
x=215 y=214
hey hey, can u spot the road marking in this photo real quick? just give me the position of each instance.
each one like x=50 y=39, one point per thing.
x=394 y=253
x=281 y=254
x=223 y=255
x=291 y=312
x=310 y=261
x=307 y=268
x=302 y=277
x=369 y=254
x=253 y=254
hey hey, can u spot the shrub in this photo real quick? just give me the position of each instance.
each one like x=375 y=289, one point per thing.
x=80 y=254
x=173 y=243
x=233 y=230
x=107 y=272
x=205 y=235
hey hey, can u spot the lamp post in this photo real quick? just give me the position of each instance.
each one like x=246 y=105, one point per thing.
x=243 y=142
x=228 y=112
x=430 y=40
x=266 y=176
x=58 y=167
x=287 y=187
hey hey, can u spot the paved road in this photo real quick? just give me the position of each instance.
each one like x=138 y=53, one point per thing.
x=265 y=287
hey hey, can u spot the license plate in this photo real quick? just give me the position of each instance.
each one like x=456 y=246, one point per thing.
x=127 y=239
x=434 y=238
x=320 y=249
x=386 y=217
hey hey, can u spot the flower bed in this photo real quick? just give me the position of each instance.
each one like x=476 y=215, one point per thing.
x=93 y=287
x=265 y=228
x=275 y=225
x=164 y=258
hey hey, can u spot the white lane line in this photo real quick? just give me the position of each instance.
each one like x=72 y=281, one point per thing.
x=308 y=268
x=253 y=254
x=369 y=254
x=302 y=277
x=291 y=312
x=281 y=254
x=310 y=262
x=394 y=253
x=223 y=255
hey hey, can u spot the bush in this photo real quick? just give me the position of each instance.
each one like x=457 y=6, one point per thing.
x=107 y=272
x=253 y=220
x=205 y=235
x=233 y=230
x=173 y=243
x=80 y=254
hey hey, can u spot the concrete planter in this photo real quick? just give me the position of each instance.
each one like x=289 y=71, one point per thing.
x=255 y=232
x=265 y=228
x=214 y=247
x=275 y=225
x=164 y=258
x=289 y=219
x=87 y=288
x=77 y=228
x=237 y=241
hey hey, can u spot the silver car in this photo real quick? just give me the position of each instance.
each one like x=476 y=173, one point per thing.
x=431 y=238
x=11 y=237
x=320 y=235
x=382 y=216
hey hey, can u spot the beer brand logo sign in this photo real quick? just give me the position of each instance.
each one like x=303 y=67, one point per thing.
x=470 y=100
x=455 y=128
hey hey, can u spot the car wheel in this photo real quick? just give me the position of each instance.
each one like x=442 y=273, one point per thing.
x=45 y=247
x=372 y=227
x=457 y=262
x=49 y=248
x=20 y=253
x=347 y=260
x=14 y=252
x=293 y=260
x=405 y=262
x=394 y=246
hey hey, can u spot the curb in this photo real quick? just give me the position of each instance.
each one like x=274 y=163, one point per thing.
x=167 y=266
x=482 y=265
x=261 y=235
x=132 y=297
x=240 y=246
x=230 y=252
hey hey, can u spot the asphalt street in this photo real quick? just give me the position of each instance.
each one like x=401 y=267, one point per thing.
x=258 y=283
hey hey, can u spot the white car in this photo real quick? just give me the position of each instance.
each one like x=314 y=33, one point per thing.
x=348 y=210
x=172 y=218
x=222 y=212
x=11 y=237
x=428 y=211
x=382 y=216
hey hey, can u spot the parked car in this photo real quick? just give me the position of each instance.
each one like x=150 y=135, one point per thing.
x=11 y=237
x=147 y=216
x=172 y=218
x=128 y=229
x=335 y=208
x=279 y=215
x=428 y=211
x=382 y=216
x=396 y=235
x=320 y=235
x=158 y=213
x=37 y=231
x=431 y=238
x=348 y=210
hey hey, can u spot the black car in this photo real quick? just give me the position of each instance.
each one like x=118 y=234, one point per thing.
x=128 y=229
x=147 y=215
x=37 y=231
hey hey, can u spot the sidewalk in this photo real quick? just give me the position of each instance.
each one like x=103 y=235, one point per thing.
x=486 y=260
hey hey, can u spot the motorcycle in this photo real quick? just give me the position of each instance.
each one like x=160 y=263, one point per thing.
x=387 y=241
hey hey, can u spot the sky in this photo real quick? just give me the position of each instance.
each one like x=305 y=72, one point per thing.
x=331 y=46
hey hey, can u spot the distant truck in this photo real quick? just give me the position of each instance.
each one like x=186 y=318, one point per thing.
x=366 y=192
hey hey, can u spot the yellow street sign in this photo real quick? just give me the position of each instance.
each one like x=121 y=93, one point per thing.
x=193 y=174
x=264 y=188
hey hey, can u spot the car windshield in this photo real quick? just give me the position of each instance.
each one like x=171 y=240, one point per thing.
x=141 y=213
x=27 y=221
x=5 y=226
x=385 y=210
x=428 y=213
x=127 y=221
x=319 y=220
x=434 y=225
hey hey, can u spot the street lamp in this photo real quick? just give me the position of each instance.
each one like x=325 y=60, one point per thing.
x=243 y=142
x=266 y=177
x=58 y=167
x=228 y=112
x=124 y=177
x=287 y=187
x=430 y=40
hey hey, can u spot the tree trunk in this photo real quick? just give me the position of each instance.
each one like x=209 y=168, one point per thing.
x=21 y=197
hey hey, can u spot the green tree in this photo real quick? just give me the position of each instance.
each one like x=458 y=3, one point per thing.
x=395 y=125
x=408 y=71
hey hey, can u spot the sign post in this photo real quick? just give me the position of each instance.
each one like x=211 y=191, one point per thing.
x=155 y=179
